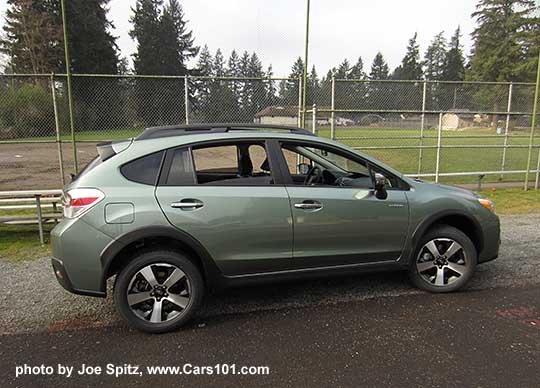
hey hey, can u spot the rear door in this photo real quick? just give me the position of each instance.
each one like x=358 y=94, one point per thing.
x=223 y=194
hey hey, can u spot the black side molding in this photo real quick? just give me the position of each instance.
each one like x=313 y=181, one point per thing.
x=211 y=271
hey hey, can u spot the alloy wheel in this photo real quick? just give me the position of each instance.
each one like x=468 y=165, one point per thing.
x=442 y=261
x=159 y=293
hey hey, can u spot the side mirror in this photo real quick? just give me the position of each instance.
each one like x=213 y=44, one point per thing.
x=303 y=168
x=380 y=186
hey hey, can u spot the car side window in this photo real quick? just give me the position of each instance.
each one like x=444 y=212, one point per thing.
x=143 y=170
x=242 y=163
x=219 y=159
x=311 y=165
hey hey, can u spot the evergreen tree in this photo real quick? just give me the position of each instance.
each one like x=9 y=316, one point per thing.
x=357 y=90
x=221 y=105
x=218 y=65
x=244 y=88
x=92 y=47
x=184 y=46
x=204 y=67
x=313 y=88
x=271 y=91
x=254 y=91
x=410 y=68
x=379 y=68
x=33 y=39
x=343 y=71
x=376 y=95
x=435 y=58
x=205 y=63
x=233 y=65
x=434 y=65
x=233 y=70
x=290 y=90
x=243 y=64
x=164 y=46
x=357 y=71
x=505 y=41
x=146 y=31
x=454 y=63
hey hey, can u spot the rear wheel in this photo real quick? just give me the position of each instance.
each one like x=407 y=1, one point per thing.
x=445 y=260
x=158 y=291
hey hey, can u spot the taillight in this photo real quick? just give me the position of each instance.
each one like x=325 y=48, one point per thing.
x=78 y=201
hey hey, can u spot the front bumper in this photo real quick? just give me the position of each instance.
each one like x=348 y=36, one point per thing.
x=491 y=240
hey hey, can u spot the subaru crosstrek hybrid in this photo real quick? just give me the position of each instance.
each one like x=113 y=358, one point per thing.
x=182 y=210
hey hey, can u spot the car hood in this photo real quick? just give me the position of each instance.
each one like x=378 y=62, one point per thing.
x=452 y=190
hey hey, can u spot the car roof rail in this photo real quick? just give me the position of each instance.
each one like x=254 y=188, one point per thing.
x=177 y=130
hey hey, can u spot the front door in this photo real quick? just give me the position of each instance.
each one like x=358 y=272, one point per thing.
x=337 y=219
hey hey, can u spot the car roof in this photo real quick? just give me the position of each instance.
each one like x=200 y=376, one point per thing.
x=181 y=130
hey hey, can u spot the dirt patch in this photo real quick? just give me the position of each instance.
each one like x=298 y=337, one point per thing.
x=36 y=166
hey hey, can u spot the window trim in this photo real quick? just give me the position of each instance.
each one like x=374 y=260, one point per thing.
x=167 y=163
x=402 y=185
x=264 y=142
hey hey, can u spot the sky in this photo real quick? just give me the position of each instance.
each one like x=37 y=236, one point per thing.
x=339 y=29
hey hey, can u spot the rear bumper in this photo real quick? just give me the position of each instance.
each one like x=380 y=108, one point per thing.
x=63 y=279
x=76 y=250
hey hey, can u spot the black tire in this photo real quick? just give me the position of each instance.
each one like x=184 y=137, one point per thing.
x=193 y=283
x=426 y=279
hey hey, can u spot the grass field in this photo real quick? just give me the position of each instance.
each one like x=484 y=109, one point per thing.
x=455 y=154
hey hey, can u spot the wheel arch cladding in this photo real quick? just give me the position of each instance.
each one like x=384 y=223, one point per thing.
x=461 y=221
x=117 y=254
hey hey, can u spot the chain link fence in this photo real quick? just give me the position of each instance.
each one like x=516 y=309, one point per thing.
x=455 y=132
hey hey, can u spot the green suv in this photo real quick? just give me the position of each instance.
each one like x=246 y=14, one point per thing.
x=182 y=210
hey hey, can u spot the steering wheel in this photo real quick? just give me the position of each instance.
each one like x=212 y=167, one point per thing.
x=313 y=177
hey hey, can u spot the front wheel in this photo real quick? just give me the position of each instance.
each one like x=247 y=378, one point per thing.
x=158 y=291
x=445 y=260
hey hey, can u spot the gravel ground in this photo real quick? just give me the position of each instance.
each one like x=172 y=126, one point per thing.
x=32 y=300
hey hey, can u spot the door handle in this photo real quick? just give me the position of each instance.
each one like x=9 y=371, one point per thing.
x=309 y=205
x=187 y=204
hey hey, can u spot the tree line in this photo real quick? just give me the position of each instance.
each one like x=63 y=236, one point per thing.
x=505 y=47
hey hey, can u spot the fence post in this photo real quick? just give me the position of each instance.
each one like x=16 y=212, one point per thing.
x=422 y=124
x=333 y=106
x=439 y=141
x=40 y=218
x=69 y=92
x=186 y=98
x=300 y=110
x=57 y=128
x=314 y=118
x=533 y=124
x=507 y=126
x=537 y=170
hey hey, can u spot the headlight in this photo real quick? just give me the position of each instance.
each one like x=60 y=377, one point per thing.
x=487 y=204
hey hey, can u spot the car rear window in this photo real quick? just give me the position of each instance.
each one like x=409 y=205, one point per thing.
x=143 y=170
